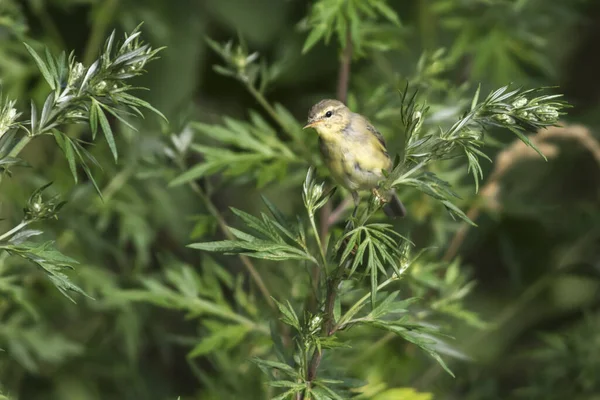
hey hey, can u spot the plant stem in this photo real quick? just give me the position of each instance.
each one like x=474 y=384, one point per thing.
x=328 y=321
x=358 y=305
x=325 y=213
x=19 y=146
x=460 y=235
x=225 y=229
x=344 y=71
x=265 y=104
x=318 y=239
x=15 y=230
x=205 y=306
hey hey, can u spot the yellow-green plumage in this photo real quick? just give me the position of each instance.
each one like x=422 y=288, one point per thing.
x=353 y=150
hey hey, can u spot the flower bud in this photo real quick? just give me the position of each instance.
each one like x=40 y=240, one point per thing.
x=75 y=73
x=100 y=86
x=521 y=102
x=504 y=118
x=315 y=323
x=7 y=118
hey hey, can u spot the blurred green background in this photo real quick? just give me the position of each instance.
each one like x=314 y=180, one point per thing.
x=535 y=254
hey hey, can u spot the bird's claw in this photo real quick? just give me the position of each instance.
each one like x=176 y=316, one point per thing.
x=379 y=197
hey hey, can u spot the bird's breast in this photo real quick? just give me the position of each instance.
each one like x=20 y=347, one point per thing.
x=354 y=162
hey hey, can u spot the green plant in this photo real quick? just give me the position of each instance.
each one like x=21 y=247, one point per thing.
x=238 y=142
x=79 y=95
x=340 y=259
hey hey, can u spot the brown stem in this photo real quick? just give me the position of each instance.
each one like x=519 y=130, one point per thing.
x=460 y=235
x=488 y=192
x=342 y=95
x=325 y=224
x=225 y=229
x=328 y=322
x=337 y=212
x=344 y=71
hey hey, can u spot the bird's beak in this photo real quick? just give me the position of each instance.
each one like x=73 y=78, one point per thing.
x=311 y=124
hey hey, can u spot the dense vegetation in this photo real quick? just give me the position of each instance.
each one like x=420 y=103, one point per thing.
x=186 y=241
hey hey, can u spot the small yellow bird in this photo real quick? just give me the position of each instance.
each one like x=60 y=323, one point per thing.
x=353 y=150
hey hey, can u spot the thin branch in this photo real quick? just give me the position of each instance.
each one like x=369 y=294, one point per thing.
x=225 y=229
x=328 y=322
x=342 y=95
x=344 y=71
x=336 y=214
x=325 y=217
x=14 y=230
x=461 y=234
x=515 y=153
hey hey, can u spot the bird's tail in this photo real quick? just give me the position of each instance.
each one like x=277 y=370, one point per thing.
x=394 y=208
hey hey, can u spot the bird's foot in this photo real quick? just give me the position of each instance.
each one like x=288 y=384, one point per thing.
x=379 y=197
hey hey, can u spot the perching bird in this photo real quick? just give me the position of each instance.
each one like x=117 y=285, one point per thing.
x=353 y=150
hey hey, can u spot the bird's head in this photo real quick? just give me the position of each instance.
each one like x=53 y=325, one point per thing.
x=328 y=117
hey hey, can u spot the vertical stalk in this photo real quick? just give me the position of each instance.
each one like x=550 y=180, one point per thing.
x=225 y=230
x=336 y=277
x=342 y=95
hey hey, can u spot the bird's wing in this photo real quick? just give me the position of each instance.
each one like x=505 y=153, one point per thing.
x=377 y=134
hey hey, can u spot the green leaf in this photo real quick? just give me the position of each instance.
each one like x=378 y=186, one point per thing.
x=287 y=395
x=267 y=364
x=387 y=12
x=313 y=38
x=374 y=272
x=458 y=212
x=64 y=142
x=43 y=67
x=225 y=338
x=476 y=98
x=402 y=393
x=94 y=119
x=51 y=261
x=81 y=152
x=332 y=394
x=104 y=124
x=289 y=315
x=288 y=384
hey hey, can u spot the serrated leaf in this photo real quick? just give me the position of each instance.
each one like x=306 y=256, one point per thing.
x=287 y=395
x=289 y=314
x=275 y=365
x=288 y=384
x=387 y=12
x=458 y=212
x=315 y=35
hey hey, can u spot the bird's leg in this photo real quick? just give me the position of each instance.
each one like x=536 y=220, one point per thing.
x=356 y=199
x=350 y=224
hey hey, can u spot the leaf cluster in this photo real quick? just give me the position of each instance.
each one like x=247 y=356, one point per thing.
x=272 y=237
x=352 y=21
x=78 y=94
x=520 y=111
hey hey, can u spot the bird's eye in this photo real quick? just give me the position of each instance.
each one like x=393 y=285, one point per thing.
x=328 y=114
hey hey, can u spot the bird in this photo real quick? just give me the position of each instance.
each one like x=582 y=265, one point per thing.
x=354 y=152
